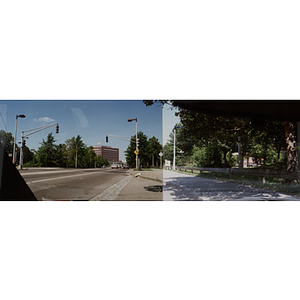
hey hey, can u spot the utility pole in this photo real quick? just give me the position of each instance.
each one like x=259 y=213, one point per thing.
x=174 y=152
x=161 y=155
x=14 y=150
x=137 y=158
x=76 y=158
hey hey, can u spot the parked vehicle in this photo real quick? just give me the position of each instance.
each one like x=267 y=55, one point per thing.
x=114 y=166
x=125 y=167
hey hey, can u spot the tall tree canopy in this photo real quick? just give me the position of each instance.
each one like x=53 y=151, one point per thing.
x=225 y=131
x=147 y=148
x=47 y=152
x=7 y=140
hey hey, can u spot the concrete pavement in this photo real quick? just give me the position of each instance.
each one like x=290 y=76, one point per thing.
x=144 y=185
x=178 y=186
x=173 y=186
x=157 y=184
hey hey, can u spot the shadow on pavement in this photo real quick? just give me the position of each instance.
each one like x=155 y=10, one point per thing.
x=172 y=192
x=200 y=188
x=154 y=188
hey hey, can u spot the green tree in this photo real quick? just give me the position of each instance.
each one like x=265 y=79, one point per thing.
x=100 y=162
x=168 y=151
x=144 y=151
x=291 y=148
x=68 y=152
x=91 y=156
x=7 y=140
x=275 y=134
x=28 y=155
x=154 y=149
x=62 y=155
x=76 y=152
x=47 y=152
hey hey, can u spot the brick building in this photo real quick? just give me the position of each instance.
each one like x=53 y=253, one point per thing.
x=111 y=154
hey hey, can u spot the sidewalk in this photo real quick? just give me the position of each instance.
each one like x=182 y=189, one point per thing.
x=168 y=185
x=143 y=186
x=179 y=186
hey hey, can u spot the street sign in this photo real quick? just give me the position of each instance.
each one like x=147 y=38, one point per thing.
x=160 y=154
x=136 y=152
x=167 y=163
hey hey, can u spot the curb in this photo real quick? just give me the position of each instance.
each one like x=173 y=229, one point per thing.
x=147 y=177
x=151 y=178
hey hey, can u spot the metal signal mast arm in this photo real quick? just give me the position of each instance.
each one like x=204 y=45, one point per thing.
x=34 y=130
x=124 y=138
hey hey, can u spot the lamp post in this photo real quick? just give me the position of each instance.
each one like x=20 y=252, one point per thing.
x=174 y=151
x=14 y=150
x=181 y=151
x=137 y=164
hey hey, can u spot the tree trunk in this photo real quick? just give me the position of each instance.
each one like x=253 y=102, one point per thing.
x=278 y=154
x=291 y=149
x=240 y=150
x=224 y=155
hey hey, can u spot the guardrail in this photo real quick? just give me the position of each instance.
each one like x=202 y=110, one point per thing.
x=261 y=174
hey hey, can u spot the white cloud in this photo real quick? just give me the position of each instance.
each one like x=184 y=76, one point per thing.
x=44 y=119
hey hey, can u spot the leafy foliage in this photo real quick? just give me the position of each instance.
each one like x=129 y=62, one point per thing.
x=73 y=153
x=7 y=140
x=220 y=135
x=146 y=150
x=47 y=152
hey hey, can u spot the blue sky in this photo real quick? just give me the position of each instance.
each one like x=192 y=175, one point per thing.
x=92 y=120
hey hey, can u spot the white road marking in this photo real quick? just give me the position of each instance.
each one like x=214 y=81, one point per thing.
x=47 y=172
x=56 y=178
x=112 y=192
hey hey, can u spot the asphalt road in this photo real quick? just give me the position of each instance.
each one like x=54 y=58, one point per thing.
x=70 y=184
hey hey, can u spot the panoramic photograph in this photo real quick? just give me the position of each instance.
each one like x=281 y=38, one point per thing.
x=81 y=150
x=132 y=150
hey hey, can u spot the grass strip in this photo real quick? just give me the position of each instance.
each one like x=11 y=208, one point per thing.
x=273 y=184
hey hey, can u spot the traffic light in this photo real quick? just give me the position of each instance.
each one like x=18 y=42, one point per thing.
x=107 y=139
x=137 y=143
x=24 y=143
x=57 y=128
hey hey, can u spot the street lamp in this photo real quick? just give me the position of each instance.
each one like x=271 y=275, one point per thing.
x=181 y=152
x=14 y=150
x=137 y=165
x=174 y=151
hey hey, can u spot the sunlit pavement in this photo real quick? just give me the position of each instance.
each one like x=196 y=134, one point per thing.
x=178 y=186
x=144 y=186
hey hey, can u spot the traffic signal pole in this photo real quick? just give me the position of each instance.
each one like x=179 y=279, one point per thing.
x=34 y=130
x=137 y=157
x=137 y=144
x=137 y=152
x=21 y=152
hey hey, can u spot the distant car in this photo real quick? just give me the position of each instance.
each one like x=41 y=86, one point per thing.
x=125 y=167
x=114 y=166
